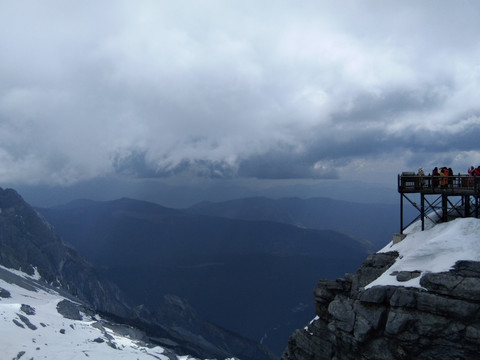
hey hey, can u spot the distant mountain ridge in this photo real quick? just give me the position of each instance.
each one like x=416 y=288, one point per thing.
x=28 y=242
x=234 y=272
x=373 y=224
x=185 y=195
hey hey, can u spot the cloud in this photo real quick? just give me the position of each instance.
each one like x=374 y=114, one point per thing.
x=269 y=90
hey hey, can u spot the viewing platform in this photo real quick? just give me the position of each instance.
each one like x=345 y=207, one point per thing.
x=442 y=198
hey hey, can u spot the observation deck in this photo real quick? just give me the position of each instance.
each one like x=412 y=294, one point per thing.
x=442 y=198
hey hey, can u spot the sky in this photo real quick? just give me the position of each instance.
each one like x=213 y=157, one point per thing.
x=226 y=90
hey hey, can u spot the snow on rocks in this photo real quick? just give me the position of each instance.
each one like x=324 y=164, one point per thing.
x=431 y=251
x=417 y=299
x=31 y=326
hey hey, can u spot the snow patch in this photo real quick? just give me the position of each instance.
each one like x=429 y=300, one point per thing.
x=35 y=276
x=434 y=250
x=32 y=328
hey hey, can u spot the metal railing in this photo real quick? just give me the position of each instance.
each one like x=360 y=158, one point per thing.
x=460 y=184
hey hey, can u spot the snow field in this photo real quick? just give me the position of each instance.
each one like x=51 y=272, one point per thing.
x=434 y=250
x=48 y=335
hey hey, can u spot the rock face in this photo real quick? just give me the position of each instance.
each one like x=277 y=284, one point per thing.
x=27 y=241
x=440 y=321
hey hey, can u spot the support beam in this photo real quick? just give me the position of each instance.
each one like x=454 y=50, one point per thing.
x=444 y=207
x=466 y=201
x=422 y=210
x=401 y=213
x=476 y=206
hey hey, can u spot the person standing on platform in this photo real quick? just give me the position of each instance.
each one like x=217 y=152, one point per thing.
x=450 y=178
x=421 y=177
x=444 y=177
x=435 y=175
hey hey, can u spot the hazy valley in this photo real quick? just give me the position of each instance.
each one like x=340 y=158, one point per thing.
x=250 y=274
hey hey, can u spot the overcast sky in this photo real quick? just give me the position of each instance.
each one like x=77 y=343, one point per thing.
x=237 y=89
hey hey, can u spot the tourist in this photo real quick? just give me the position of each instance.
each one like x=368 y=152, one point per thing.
x=435 y=177
x=444 y=177
x=451 y=177
x=421 y=175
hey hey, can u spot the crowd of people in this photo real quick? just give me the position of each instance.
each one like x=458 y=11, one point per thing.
x=443 y=180
x=474 y=171
x=443 y=177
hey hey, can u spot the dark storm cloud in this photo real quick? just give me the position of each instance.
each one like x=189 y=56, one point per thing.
x=393 y=103
x=284 y=165
x=136 y=165
x=225 y=89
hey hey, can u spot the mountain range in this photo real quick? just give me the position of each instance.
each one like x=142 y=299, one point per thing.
x=417 y=298
x=186 y=194
x=371 y=224
x=252 y=275
x=28 y=243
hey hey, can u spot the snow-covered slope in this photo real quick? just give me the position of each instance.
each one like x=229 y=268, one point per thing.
x=416 y=299
x=34 y=325
x=434 y=250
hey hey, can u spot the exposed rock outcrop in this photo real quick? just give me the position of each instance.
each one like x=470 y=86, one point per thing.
x=27 y=241
x=441 y=320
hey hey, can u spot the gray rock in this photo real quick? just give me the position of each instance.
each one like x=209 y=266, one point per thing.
x=467 y=268
x=452 y=284
x=368 y=319
x=27 y=322
x=69 y=310
x=18 y=323
x=440 y=321
x=377 y=349
x=375 y=295
x=19 y=355
x=449 y=307
x=403 y=276
x=398 y=321
x=472 y=333
x=342 y=311
x=27 y=309
x=381 y=260
x=4 y=293
x=404 y=297
x=372 y=268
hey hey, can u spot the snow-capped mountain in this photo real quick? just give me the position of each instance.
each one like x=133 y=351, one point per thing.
x=36 y=322
x=29 y=243
x=416 y=299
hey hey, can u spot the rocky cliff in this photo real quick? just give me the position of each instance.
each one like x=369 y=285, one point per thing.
x=439 y=320
x=27 y=241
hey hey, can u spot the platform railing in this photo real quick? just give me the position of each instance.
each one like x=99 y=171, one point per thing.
x=418 y=183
